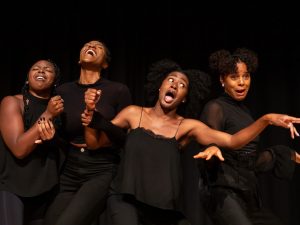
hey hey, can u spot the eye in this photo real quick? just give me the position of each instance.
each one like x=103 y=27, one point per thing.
x=233 y=76
x=181 y=85
x=246 y=76
x=171 y=80
x=49 y=71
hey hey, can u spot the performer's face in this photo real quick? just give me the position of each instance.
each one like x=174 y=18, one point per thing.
x=237 y=84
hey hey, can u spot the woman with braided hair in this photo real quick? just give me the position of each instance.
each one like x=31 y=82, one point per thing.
x=29 y=161
x=150 y=173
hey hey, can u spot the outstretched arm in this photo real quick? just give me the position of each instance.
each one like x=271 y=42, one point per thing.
x=205 y=135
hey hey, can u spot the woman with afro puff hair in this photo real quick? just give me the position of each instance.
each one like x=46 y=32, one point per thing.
x=150 y=174
x=232 y=195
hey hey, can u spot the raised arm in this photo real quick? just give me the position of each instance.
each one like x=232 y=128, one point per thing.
x=100 y=132
x=205 y=135
x=21 y=142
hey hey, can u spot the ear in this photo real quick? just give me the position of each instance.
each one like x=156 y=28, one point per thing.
x=222 y=81
x=105 y=65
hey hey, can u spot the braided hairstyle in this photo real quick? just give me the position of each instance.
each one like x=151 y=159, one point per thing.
x=25 y=92
x=199 y=86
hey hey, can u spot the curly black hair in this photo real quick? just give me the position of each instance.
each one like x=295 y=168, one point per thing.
x=25 y=90
x=223 y=62
x=199 y=86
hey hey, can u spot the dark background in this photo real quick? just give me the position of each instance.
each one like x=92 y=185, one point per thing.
x=140 y=33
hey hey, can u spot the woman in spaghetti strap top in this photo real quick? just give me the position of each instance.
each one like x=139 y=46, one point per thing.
x=150 y=175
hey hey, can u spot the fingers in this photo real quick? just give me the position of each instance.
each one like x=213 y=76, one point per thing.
x=91 y=97
x=296 y=132
x=208 y=153
x=46 y=129
x=86 y=118
x=203 y=155
x=56 y=105
x=291 y=127
x=297 y=158
x=220 y=156
x=293 y=131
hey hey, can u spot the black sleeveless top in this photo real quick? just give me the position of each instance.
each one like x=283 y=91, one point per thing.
x=38 y=172
x=151 y=170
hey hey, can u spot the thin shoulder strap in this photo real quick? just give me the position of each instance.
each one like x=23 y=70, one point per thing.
x=178 y=128
x=141 y=116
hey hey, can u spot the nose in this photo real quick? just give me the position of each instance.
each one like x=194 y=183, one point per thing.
x=174 y=85
x=41 y=70
x=241 y=81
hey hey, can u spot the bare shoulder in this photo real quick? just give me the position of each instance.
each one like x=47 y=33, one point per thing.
x=188 y=121
x=132 y=109
x=12 y=102
x=190 y=124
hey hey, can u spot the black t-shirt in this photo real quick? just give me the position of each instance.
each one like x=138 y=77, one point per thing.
x=114 y=97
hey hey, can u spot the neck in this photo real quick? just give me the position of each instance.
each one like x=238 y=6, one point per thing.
x=161 y=112
x=43 y=95
x=89 y=76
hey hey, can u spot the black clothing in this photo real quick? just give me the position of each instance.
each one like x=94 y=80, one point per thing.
x=87 y=174
x=114 y=97
x=152 y=171
x=232 y=195
x=37 y=174
x=149 y=180
x=115 y=134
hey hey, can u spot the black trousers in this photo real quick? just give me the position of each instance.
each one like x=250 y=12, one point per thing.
x=16 y=210
x=124 y=210
x=226 y=206
x=84 y=186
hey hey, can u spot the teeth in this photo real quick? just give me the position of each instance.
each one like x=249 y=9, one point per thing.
x=40 y=78
x=90 y=51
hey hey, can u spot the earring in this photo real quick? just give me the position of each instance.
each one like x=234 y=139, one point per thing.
x=183 y=101
x=222 y=84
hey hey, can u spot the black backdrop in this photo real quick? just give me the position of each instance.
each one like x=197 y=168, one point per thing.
x=143 y=32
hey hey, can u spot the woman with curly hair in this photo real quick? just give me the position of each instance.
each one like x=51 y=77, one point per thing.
x=150 y=175
x=231 y=195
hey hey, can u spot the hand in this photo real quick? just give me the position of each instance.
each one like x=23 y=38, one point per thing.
x=209 y=152
x=46 y=130
x=284 y=121
x=91 y=97
x=55 y=106
x=297 y=158
x=86 y=117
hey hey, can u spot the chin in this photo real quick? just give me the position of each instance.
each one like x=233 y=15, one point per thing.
x=240 y=98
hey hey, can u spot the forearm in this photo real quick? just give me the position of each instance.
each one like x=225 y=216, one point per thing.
x=247 y=134
x=95 y=139
x=114 y=133
x=22 y=145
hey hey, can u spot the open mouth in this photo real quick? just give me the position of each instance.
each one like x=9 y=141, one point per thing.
x=40 y=77
x=169 y=97
x=240 y=92
x=91 y=52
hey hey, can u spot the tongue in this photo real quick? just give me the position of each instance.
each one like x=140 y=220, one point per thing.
x=168 y=99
